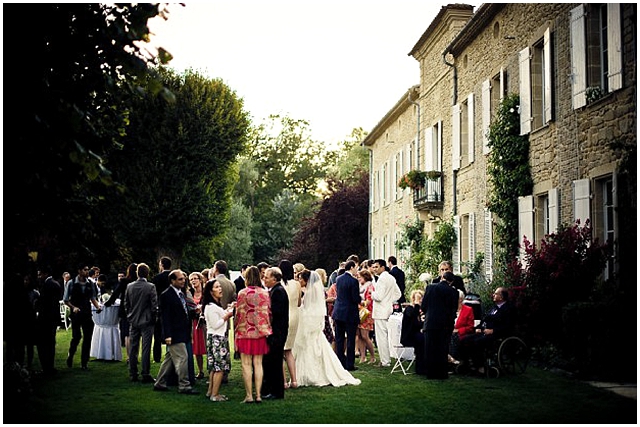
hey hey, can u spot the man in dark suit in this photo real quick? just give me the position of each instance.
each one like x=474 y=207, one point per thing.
x=161 y=281
x=398 y=274
x=345 y=315
x=176 y=332
x=48 y=319
x=457 y=280
x=498 y=323
x=273 y=384
x=439 y=305
x=239 y=281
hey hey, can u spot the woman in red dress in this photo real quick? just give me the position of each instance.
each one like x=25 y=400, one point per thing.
x=199 y=326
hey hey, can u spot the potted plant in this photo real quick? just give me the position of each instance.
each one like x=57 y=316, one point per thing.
x=433 y=175
x=413 y=179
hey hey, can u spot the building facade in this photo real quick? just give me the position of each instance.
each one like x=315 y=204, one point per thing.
x=574 y=69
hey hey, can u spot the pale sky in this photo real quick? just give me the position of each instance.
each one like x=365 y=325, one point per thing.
x=338 y=64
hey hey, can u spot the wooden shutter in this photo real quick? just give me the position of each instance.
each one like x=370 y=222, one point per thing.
x=554 y=210
x=548 y=67
x=525 y=91
x=486 y=115
x=455 y=137
x=455 y=254
x=581 y=200
x=488 y=244
x=578 y=60
x=614 y=50
x=437 y=163
x=472 y=236
x=525 y=222
x=428 y=149
x=471 y=129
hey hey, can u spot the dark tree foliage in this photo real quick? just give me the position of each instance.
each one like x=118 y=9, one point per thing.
x=338 y=229
x=71 y=72
x=175 y=169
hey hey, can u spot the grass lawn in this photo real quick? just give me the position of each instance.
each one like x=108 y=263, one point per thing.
x=104 y=394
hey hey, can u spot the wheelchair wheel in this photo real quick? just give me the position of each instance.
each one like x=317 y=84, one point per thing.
x=513 y=355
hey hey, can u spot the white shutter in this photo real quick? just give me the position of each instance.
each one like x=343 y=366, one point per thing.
x=503 y=83
x=525 y=92
x=486 y=115
x=547 y=75
x=614 y=38
x=456 y=247
x=428 y=150
x=525 y=222
x=438 y=154
x=554 y=210
x=578 y=60
x=488 y=245
x=471 y=128
x=455 y=138
x=581 y=200
x=472 y=236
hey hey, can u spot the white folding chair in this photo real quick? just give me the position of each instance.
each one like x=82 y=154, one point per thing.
x=63 y=315
x=402 y=358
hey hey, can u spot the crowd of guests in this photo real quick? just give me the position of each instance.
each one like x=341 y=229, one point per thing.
x=292 y=326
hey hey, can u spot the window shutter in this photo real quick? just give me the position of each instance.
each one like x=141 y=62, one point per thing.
x=472 y=236
x=456 y=247
x=486 y=115
x=488 y=244
x=525 y=222
x=548 y=66
x=615 y=46
x=554 y=210
x=471 y=129
x=578 y=60
x=455 y=138
x=438 y=154
x=581 y=200
x=503 y=83
x=525 y=92
x=428 y=149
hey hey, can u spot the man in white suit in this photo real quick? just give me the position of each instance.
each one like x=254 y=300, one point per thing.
x=385 y=294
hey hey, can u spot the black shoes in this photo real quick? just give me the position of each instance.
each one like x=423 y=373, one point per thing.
x=148 y=379
x=355 y=368
x=188 y=391
x=160 y=388
x=133 y=378
x=69 y=361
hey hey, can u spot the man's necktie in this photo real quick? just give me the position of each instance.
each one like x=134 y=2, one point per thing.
x=183 y=301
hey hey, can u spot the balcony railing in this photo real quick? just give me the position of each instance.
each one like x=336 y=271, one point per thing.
x=430 y=196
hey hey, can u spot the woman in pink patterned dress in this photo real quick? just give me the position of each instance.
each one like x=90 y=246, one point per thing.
x=199 y=325
x=365 y=327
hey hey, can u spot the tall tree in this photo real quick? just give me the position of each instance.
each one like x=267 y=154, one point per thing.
x=176 y=166
x=74 y=67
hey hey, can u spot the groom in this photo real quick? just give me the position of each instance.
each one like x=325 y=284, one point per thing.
x=345 y=314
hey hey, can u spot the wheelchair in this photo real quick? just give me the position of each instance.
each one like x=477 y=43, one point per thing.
x=508 y=356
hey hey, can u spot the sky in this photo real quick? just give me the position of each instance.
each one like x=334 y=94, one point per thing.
x=338 y=64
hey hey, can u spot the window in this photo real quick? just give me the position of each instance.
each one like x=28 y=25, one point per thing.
x=596 y=52
x=463 y=133
x=383 y=184
x=535 y=84
x=433 y=147
x=604 y=222
x=493 y=92
x=399 y=172
x=538 y=216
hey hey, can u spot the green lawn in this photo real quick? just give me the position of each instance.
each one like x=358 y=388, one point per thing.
x=104 y=394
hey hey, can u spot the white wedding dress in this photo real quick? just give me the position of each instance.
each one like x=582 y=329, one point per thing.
x=316 y=362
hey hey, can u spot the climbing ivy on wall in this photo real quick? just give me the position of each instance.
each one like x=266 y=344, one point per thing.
x=509 y=175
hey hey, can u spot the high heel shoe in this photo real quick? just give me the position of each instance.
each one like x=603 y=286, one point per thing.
x=287 y=384
x=372 y=361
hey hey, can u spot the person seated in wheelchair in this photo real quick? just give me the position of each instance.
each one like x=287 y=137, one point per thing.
x=497 y=324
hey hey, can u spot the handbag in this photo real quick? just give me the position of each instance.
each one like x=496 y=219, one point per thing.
x=364 y=314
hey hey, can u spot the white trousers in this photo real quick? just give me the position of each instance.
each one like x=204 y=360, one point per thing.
x=382 y=340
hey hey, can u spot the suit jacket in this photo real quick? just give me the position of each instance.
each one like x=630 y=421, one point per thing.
x=345 y=307
x=411 y=325
x=400 y=281
x=501 y=320
x=385 y=294
x=279 y=316
x=176 y=323
x=457 y=283
x=141 y=303
x=239 y=282
x=439 y=305
x=162 y=282
x=229 y=293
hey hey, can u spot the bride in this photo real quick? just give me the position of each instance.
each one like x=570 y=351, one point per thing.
x=316 y=362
